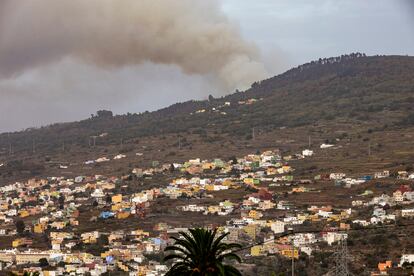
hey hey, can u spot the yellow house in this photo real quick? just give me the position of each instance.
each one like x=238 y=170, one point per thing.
x=140 y=232
x=116 y=207
x=24 y=213
x=16 y=243
x=288 y=253
x=255 y=214
x=256 y=250
x=334 y=218
x=286 y=168
x=126 y=204
x=196 y=189
x=116 y=198
x=208 y=166
x=106 y=254
x=122 y=215
x=214 y=209
x=248 y=181
x=228 y=182
x=250 y=230
x=209 y=187
x=302 y=217
x=39 y=228
x=20 y=242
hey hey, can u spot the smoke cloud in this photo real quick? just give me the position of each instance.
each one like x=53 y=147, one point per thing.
x=192 y=34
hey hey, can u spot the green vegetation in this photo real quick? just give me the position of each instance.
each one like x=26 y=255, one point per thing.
x=352 y=88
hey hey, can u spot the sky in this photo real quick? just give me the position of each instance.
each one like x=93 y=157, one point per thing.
x=148 y=54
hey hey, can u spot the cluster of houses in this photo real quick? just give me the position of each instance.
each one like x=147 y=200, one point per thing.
x=52 y=208
x=219 y=109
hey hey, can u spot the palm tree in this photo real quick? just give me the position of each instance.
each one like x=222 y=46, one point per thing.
x=201 y=253
x=26 y=273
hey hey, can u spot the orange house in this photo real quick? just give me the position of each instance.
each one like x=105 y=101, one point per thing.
x=384 y=266
x=122 y=215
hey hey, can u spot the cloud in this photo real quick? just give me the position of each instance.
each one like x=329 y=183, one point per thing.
x=194 y=35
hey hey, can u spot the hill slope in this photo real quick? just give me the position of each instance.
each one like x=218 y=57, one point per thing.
x=348 y=92
x=379 y=90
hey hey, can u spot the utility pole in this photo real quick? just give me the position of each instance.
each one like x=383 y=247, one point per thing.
x=10 y=144
x=369 y=149
x=293 y=257
x=253 y=134
x=179 y=142
x=309 y=139
x=94 y=140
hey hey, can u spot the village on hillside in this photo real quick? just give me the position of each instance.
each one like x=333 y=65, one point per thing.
x=96 y=224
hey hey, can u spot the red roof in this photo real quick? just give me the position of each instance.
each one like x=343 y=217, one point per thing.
x=404 y=188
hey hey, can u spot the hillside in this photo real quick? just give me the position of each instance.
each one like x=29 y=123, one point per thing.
x=351 y=94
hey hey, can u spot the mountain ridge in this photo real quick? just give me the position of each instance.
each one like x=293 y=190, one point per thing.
x=351 y=87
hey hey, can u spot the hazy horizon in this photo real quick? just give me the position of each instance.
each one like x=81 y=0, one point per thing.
x=49 y=76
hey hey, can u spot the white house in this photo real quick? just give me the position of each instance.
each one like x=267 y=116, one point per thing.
x=332 y=237
x=325 y=146
x=277 y=226
x=307 y=152
x=337 y=176
x=382 y=174
x=407 y=258
x=407 y=212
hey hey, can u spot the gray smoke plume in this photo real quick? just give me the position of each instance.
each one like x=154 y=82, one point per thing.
x=191 y=34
